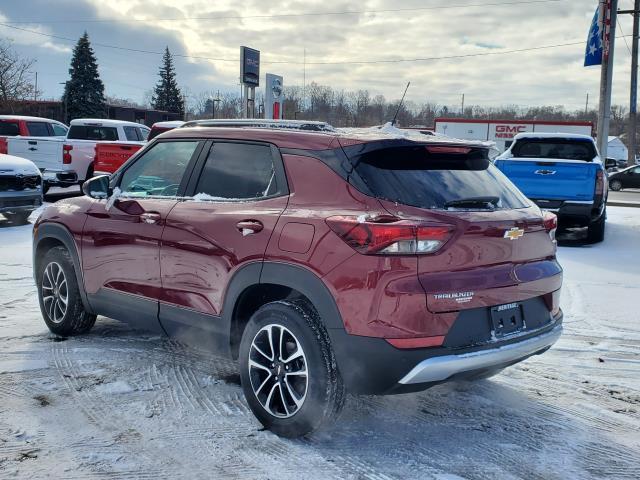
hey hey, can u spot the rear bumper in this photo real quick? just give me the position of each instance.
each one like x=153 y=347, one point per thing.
x=19 y=201
x=372 y=366
x=438 y=369
x=573 y=213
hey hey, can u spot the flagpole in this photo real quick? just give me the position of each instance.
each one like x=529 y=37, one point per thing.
x=608 y=13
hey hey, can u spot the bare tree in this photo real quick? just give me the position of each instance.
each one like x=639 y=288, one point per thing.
x=15 y=78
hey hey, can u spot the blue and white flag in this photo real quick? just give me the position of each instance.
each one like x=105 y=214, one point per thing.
x=593 y=54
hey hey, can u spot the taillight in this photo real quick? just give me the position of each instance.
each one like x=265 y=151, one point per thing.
x=550 y=221
x=447 y=149
x=600 y=183
x=390 y=236
x=66 y=154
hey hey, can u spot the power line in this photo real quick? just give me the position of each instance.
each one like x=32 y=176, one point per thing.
x=291 y=15
x=289 y=62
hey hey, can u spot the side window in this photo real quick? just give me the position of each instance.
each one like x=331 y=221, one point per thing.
x=236 y=171
x=159 y=171
x=38 y=129
x=143 y=133
x=59 y=130
x=636 y=171
x=131 y=133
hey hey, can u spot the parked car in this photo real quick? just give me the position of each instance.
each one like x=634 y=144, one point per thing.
x=161 y=127
x=19 y=125
x=561 y=173
x=69 y=160
x=20 y=188
x=323 y=262
x=614 y=164
x=627 y=178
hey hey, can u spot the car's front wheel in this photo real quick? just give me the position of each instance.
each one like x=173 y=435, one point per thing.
x=288 y=369
x=59 y=295
x=615 y=185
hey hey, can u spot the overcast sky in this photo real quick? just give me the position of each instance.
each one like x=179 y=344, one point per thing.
x=542 y=77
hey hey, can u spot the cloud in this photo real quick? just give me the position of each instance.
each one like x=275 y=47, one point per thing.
x=547 y=76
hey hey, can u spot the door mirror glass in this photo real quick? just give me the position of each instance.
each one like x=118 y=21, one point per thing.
x=97 y=187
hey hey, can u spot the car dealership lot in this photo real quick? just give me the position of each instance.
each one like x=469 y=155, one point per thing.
x=119 y=404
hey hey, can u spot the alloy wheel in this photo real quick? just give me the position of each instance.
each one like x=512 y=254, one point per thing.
x=278 y=371
x=55 y=294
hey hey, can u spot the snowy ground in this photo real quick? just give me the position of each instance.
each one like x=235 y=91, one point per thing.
x=117 y=404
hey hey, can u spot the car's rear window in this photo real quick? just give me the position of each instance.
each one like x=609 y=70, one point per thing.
x=568 y=149
x=9 y=129
x=92 y=132
x=414 y=176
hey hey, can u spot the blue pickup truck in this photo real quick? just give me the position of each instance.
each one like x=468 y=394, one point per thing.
x=561 y=173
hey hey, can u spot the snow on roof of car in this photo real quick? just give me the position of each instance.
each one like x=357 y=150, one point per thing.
x=552 y=135
x=106 y=122
x=391 y=132
x=169 y=124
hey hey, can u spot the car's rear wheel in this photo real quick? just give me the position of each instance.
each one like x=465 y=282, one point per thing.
x=288 y=369
x=59 y=295
x=595 y=232
x=615 y=185
x=19 y=218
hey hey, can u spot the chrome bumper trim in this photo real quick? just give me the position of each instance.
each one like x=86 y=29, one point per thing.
x=436 y=369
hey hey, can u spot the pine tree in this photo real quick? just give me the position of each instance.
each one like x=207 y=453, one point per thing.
x=84 y=92
x=166 y=95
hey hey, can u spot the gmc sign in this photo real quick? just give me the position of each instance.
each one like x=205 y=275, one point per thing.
x=509 y=131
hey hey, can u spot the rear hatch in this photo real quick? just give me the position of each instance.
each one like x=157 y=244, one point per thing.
x=45 y=152
x=110 y=156
x=540 y=178
x=553 y=168
x=499 y=250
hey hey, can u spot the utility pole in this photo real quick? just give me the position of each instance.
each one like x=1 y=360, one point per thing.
x=586 y=105
x=35 y=91
x=633 y=96
x=462 y=109
x=608 y=13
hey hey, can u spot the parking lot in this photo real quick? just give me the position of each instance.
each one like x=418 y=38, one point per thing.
x=122 y=404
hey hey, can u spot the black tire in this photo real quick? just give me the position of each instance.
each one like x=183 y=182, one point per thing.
x=74 y=320
x=324 y=392
x=615 y=185
x=19 y=218
x=595 y=231
x=45 y=188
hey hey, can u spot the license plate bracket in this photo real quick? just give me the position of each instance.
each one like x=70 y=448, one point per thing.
x=507 y=319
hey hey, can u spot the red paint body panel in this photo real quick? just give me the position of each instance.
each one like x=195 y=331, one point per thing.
x=122 y=252
x=111 y=156
x=202 y=247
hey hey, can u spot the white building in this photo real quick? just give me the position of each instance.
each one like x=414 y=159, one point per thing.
x=616 y=149
x=502 y=131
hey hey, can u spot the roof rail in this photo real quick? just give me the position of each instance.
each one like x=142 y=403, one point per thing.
x=306 y=125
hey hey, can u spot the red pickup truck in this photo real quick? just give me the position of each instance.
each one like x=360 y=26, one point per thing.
x=111 y=155
x=18 y=125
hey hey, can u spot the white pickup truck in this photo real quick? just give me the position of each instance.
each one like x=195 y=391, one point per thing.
x=68 y=161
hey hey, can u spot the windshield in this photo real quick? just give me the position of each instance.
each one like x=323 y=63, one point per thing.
x=414 y=176
x=557 y=148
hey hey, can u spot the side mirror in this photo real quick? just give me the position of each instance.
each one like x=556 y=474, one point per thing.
x=97 y=187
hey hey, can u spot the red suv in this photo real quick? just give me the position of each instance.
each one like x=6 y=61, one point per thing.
x=323 y=262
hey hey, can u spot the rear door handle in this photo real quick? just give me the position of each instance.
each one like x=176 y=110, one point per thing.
x=150 y=217
x=247 y=227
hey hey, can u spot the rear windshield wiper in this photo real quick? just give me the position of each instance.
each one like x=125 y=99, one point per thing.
x=473 y=202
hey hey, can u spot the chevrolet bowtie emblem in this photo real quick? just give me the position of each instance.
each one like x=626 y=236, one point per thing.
x=514 y=234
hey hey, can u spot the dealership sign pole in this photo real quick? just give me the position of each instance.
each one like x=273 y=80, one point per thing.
x=250 y=78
